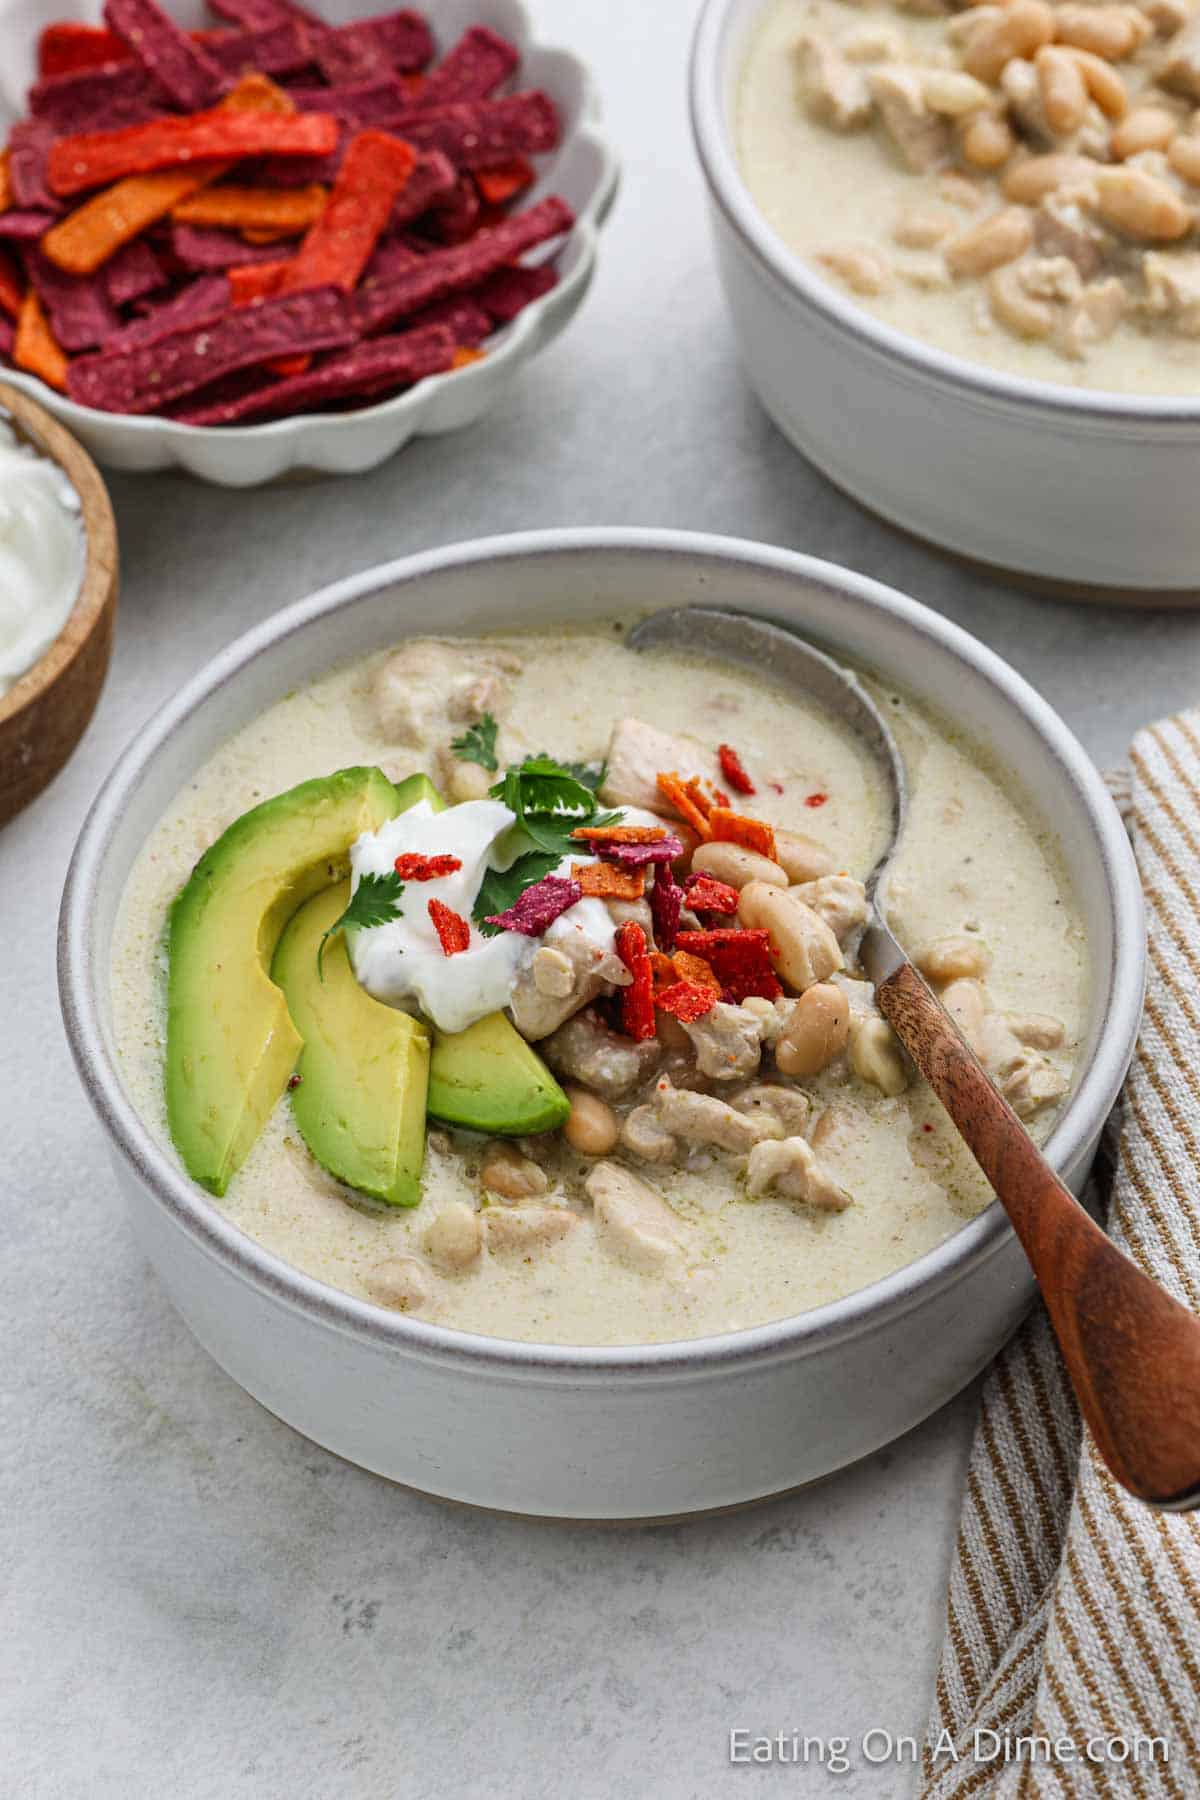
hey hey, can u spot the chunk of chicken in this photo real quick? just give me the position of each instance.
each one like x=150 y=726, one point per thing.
x=790 y=1167
x=1061 y=227
x=644 y=1136
x=839 y=900
x=589 y=969
x=638 y=753
x=427 y=687
x=727 y=1041
x=1099 y=310
x=789 y=1106
x=633 y=1221
x=506 y=1172
x=523 y=1230
x=703 y=1119
x=1173 y=289
x=920 y=136
x=401 y=1282
x=1027 y=1080
x=586 y=1051
x=827 y=86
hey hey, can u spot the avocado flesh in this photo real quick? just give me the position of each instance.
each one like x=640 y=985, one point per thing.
x=364 y=1068
x=487 y=1078
x=231 y=1044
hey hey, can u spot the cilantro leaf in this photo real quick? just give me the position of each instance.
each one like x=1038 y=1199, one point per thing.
x=502 y=888
x=539 y=785
x=478 y=744
x=590 y=775
x=375 y=901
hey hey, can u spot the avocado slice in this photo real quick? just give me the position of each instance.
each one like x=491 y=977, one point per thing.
x=487 y=1078
x=231 y=1044
x=364 y=1068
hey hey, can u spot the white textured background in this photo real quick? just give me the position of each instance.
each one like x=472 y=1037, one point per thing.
x=194 y=1602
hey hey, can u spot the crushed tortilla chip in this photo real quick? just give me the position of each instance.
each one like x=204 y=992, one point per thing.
x=621 y=834
x=454 y=932
x=679 y=795
x=727 y=827
x=602 y=881
x=686 y=1001
x=693 y=969
x=637 y=1000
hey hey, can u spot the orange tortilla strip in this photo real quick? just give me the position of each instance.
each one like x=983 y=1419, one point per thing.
x=621 y=834
x=693 y=968
x=464 y=356
x=728 y=827
x=256 y=281
x=6 y=193
x=86 y=238
x=601 y=881
x=283 y=211
x=677 y=794
x=36 y=349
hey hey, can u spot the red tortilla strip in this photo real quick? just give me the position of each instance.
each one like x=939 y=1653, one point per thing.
x=255 y=281
x=728 y=827
x=25 y=227
x=260 y=15
x=687 y=1001
x=382 y=101
x=65 y=47
x=601 y=881
x=740 y=960
x=480 y=134
x=234 y=207
x=12 y=288
x=458 y=215
x=454 y=932
x=472 y=69
x=338 y=246
x=202 y=250
x=122 y=93
x=706 y=894
x=281 y=49
x=8 y=337
x=98 y=229
x=433 y=177
x=188 y=73
x=503 y=183
x=666 y=907
x=380 y=367
x=637 y=1000
x=95 y=158
x=148 y=377
x=538 y=906
x=452 y=270
x=35 y=348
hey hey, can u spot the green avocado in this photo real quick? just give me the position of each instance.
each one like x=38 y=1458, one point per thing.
x=231 y=1044
x=487 y=1078
x=364 y=1068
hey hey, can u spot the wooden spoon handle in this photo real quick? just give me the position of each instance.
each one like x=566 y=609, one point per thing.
x=1133 y=1353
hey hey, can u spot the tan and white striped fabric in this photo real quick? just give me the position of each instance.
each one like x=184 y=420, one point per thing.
x=1073 y=1613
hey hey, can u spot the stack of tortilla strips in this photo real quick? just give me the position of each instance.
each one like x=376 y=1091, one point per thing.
x=270 y=217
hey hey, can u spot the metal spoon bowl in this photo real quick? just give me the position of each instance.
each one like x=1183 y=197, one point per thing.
x=1133 y=1353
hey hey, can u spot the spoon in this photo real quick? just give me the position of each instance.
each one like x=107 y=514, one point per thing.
x=1132 y=1352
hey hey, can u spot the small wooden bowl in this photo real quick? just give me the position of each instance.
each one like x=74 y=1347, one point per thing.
x=45 y=713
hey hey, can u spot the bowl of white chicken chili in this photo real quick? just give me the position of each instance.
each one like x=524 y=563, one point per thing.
x=959 y=245
x=470 y=1002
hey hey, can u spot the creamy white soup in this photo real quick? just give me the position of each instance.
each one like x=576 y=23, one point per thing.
x=1015 y=183
x=736 y=1135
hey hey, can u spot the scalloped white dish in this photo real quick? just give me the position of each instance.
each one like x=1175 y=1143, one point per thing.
x=583 y=170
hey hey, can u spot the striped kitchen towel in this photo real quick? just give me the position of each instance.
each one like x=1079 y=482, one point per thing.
x=1073 y=1615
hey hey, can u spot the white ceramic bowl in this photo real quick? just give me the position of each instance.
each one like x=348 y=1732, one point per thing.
x=583 y=170
x=1058 y=482
x=596 y=1433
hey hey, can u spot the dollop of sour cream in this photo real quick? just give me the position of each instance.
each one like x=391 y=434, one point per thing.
x=41 y=555
x=403 y=964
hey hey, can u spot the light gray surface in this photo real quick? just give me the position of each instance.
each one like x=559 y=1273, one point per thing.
x=198 y=1603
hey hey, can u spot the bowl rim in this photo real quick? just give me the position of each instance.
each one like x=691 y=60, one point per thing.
x=711 y=136
x=83 y=969
x=509 y=345
x=97 y=588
